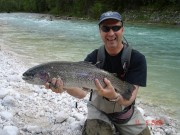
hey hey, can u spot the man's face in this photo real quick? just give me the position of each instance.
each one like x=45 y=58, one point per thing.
x=111 y=32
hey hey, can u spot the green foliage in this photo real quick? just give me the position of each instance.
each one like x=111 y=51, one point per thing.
x=8 y=5
x=96 y=10
x=29 y=6
x=54 y=11
x=88 y=8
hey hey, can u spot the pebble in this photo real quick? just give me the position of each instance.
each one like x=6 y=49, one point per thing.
x=75 y=126
x=6 y=115
x=11 y=130
x=33 y=129
x=2 y=132
x=165 y=119
x=3 y=92
x=61 y=117
x=8 y=101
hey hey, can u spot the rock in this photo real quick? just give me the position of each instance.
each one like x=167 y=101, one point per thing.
x=3 y=92
x=79 y=117
x=14 y=78
x=75 y=126
x=158 y=133
x=165 y=119
x=11 y=130
x=168 y=131
x=33 y=129
x=71 y=119
x=2 y=132
x=61 y=117
x=8 y=101
x=6 y=115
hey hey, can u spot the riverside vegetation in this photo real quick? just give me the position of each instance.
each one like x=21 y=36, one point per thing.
x=148 y=11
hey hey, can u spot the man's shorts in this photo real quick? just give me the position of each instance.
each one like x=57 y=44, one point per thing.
x=99 y=127
x=98 y=123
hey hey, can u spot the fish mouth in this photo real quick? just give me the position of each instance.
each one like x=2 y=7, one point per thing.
x=33 y=80
x=25 y=78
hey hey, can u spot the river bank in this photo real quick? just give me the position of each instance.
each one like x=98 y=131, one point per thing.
x=26 y=109
x=152 y=16
x=170 y=17
x=166 y=17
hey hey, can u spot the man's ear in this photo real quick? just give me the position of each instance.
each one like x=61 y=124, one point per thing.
x=122 y=29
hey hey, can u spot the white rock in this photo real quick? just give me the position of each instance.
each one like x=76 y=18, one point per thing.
x=14 y=78
x=71 y=119
x=8 y=101
x=158 y=133
x=168 y=131
x=6 y=115
x=17 y=96
x=62 y=116
x=11 y=130
x=79 y=116
x=75 y=126
x=2 y=132
x=3 y=92
x=165 y=119
x=33 y=129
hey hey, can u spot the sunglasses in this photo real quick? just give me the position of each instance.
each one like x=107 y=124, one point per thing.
x=107 y=28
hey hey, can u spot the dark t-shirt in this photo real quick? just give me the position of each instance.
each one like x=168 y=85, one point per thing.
x=137 y=71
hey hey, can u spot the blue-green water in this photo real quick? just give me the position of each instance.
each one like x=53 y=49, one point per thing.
x=39 y=40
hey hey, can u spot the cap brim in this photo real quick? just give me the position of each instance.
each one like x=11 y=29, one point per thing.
x=106 y=18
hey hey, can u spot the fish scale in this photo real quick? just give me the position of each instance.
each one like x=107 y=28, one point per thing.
x=75 y=74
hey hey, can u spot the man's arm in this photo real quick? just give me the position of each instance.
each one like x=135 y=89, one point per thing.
x=57 y=86
x=76 y=92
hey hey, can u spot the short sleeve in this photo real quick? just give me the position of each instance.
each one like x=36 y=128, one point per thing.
x=92 y=57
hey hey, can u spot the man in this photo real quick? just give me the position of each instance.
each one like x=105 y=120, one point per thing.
x=108 y=111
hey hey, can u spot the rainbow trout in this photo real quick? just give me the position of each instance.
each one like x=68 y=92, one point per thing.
x=75 y=74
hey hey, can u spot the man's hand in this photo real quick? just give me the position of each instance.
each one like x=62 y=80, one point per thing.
x=108 y=92
x=56 y=85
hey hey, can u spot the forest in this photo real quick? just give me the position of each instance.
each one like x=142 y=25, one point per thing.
x=85 y=8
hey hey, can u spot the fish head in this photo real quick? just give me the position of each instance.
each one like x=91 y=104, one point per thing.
x=37 y=76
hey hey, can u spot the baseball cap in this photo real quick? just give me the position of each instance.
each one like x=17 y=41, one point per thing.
x=110 y=15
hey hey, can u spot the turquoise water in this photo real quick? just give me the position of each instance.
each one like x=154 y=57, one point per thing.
x=39 y=40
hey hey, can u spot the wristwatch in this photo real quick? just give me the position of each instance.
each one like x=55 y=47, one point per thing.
x=115 y=99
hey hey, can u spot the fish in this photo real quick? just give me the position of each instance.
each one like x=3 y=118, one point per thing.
x=75 y=74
